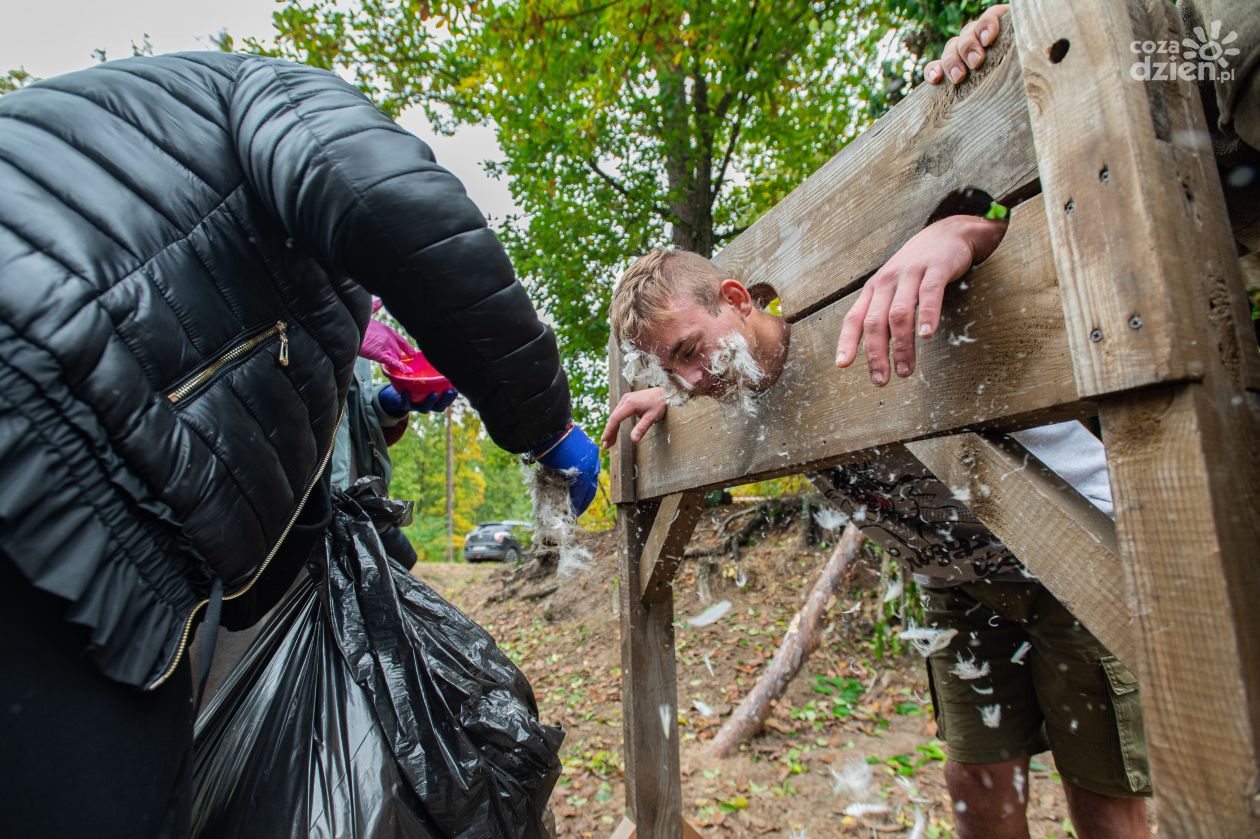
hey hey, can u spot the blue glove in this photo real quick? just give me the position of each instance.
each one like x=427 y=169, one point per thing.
x=575 y=451
x=396 y=403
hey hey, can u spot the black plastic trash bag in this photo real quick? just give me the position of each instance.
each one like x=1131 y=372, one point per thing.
x=371 y=707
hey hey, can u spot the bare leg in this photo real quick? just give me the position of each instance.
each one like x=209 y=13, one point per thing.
x=1097 y=816
x=987 y=802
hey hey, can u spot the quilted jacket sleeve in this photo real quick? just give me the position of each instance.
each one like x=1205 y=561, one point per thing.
x=368 y=200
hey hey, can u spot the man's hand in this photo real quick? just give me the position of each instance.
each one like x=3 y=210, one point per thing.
x=648 y=406
x=965 y=51
x=915 y=278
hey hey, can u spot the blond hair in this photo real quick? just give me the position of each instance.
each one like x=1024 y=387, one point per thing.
x=647 y=291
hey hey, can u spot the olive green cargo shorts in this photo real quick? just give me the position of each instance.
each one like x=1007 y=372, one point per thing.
x=1023 y=675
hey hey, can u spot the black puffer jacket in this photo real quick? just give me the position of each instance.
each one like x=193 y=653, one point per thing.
x=172 y=231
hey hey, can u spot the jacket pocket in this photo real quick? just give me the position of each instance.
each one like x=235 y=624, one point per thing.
x=240 y=351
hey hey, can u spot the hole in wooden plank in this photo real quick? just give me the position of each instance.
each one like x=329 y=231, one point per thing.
x=763 y=294
x=1104 y=174
x=1058 y=50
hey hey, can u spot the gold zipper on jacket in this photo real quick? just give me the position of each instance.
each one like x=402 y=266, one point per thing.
x=183 y=638
x=236 y=353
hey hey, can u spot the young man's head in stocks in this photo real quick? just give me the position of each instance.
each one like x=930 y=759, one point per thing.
x=685 y=325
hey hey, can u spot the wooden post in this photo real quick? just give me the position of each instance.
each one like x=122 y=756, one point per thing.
x=649 y=693
x=1150 y=285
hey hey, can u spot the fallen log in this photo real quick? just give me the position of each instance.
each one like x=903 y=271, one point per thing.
x=802 y=638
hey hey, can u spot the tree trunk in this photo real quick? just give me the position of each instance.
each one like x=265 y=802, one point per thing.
x=688 y=147
x=802 y=638
x=450 y=492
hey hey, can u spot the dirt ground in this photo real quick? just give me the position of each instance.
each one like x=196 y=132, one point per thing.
x=855 y=703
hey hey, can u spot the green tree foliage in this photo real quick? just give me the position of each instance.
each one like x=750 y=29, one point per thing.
x=15 y=80
x=505 y=497
x=420 y=476
x=624 y=124
x=20 y=78
x=928 y=24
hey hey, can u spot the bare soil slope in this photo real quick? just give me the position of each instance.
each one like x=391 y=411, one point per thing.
x=854 y=704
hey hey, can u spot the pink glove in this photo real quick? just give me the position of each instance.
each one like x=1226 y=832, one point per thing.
x=406 y=366
x=383 y=344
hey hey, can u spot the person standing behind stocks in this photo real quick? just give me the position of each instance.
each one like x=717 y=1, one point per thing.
x=188 y=247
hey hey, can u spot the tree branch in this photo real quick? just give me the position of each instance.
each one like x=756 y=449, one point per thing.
x=736 y=125
x=579 y=12
x=625 y=193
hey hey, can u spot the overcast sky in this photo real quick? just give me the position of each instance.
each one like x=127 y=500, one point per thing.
x=49 y=38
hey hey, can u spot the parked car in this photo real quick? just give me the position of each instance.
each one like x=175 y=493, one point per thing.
x=498 y=541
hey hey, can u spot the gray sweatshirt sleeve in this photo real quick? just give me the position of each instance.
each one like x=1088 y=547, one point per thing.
x=1073 y=453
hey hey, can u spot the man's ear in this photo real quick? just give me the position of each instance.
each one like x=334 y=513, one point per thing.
x=733 y=292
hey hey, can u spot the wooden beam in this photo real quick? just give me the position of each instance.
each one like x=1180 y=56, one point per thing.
x=1150 y=239
x=1184 y=470
x=851 y=215
x=1000 y=356
x=1063 y=539
x=671 y=531
x=649 y=693
x=1116 y=184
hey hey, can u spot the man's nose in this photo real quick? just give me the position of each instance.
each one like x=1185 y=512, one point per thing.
x=691 y=374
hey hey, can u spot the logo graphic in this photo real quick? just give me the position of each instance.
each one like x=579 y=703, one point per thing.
x=1207 y=48
x=1203 y=57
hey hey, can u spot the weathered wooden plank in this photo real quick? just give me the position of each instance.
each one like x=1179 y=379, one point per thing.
x=649 y=693
x=1150 y=239
x=1000 y=355
x=1067 y=542
x=1142 y=159
x=1203 y=225
x=671 y=531
x=621 y=455
x=1183 y=463
x=851 y=215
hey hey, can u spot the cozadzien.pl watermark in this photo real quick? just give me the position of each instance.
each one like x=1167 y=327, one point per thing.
x=1203 y=56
